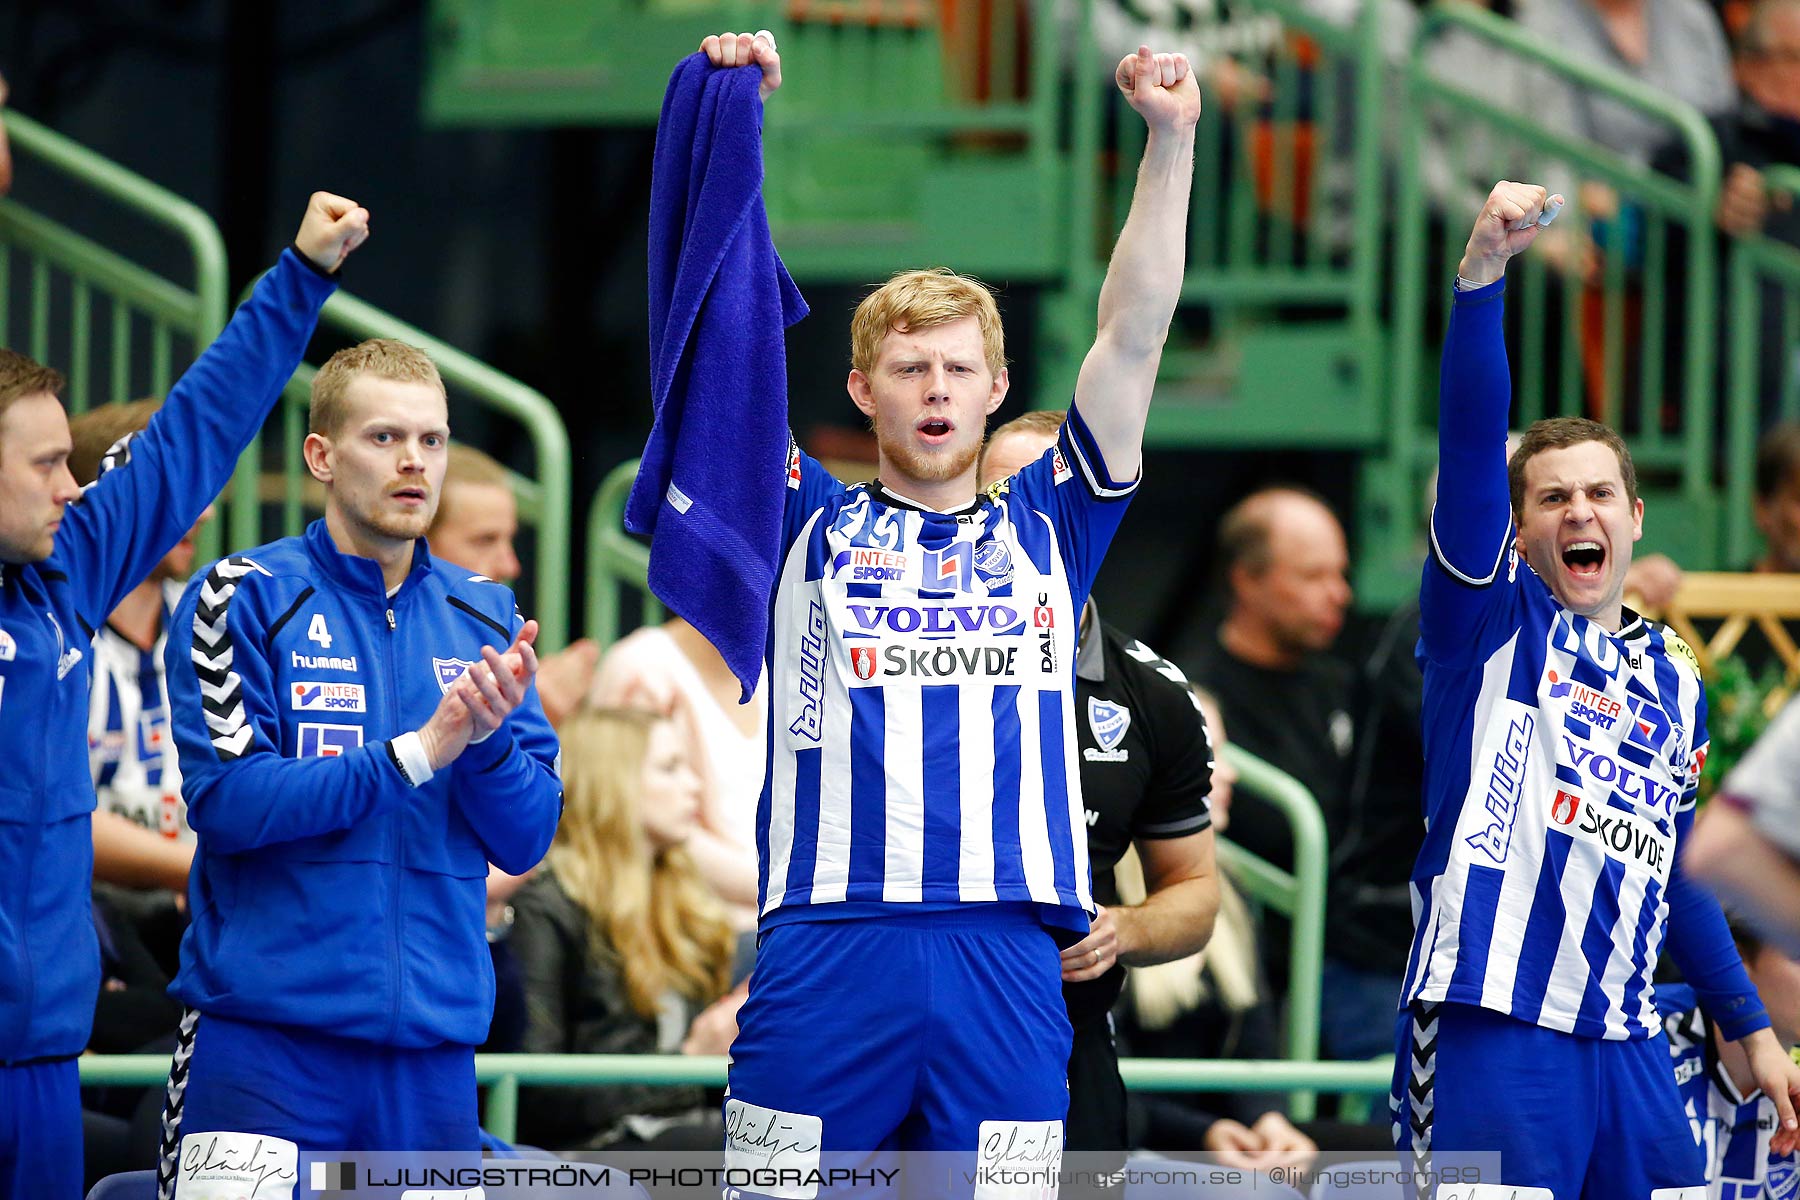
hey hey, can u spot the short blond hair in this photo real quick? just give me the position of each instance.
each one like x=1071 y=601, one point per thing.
x=915 y=300
x=466 y=464
x=384 y=358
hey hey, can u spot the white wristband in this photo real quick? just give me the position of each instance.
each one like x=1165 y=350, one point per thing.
x=409 y=751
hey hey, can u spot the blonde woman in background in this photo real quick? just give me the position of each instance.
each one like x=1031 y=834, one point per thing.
x=624 y=947
x=671 y=669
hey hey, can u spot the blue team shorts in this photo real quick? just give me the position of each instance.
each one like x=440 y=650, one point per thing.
x=938 y=1030
x=40 y=1131
x=1577 y=1116
x=313 y=1089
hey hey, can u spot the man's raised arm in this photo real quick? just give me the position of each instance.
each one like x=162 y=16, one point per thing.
x=1143 y=280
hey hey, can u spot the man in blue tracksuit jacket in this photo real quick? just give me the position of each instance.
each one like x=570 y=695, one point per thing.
x=66 y=559
x=359 y=739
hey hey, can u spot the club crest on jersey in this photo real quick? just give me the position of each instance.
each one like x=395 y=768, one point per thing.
x=1108 y=720
x=448 y=671
x=993 y=563
x=862 y=661
x=66 y=655
x=328 y=741
x=9 y=649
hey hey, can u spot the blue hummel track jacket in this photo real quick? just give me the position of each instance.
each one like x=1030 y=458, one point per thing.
x=110 y=539
x=338 y=883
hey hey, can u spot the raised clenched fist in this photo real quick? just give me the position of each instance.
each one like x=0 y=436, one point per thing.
x=331 y=229
x=1161 y=87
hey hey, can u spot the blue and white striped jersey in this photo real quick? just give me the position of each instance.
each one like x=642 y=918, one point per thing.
x=1560 y=758
x=921 y=683
x=1733 y=1129
x=131 y=749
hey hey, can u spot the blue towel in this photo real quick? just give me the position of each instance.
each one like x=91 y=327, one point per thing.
x=710 y=488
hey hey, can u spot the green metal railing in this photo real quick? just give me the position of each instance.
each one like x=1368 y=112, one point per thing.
x=616 y=560
x=1587 y=309
x=1760 y=272
x=1299 y=894
x=873 y=162
x=544 y=498
x=116 y=329
x=506 y=1072
x=1279 y=339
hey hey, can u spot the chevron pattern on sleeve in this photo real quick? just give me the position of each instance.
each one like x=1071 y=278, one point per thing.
x=221 y=690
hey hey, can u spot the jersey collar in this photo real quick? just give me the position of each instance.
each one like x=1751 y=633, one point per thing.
x=894 y=499
x=1090 y=653
x=357 y=574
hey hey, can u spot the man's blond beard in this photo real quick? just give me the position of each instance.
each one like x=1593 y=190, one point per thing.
x=931 y=468
x=399 y=526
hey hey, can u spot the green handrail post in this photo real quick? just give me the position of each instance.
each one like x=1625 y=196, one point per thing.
x=148 y=200
x=615 y=559
x=543 y=498
x=501 y=1117
x=1752 y=261
x=1301 y=894
x=99 y=273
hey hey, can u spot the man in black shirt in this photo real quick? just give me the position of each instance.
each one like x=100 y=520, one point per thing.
x=1285 y=567
x=1146 y=768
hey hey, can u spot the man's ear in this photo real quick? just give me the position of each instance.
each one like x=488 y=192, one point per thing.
x=861 y=394
x=316 y=450
x=997 y=396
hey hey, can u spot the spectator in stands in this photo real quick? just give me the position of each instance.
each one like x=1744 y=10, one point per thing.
x=1763 y=130
x=1746 y=846
x=1285 y=569
x=1728 y=1111
x=1145 y=770
x=625 y=949
x=1286 y=566
x=477 y=520
x=671 y=669
x=1675 y=47
x=1760 y=131
x=1778 y=495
